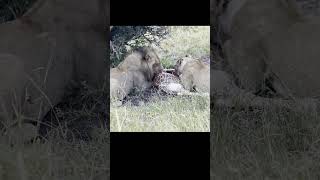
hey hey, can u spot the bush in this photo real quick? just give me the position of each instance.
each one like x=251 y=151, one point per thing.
x=171 y=42
x=126 y=38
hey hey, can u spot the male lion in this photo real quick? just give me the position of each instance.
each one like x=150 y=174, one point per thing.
x=55 y=44
x=136 y=71
x=194 y=74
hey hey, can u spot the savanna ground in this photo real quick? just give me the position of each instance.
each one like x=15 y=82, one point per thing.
x=77 y=147
x=170 y=114
x=272 y=142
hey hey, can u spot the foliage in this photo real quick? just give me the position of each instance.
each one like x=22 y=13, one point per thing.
x=11 y=9
x=171 y=42
x=126 y=38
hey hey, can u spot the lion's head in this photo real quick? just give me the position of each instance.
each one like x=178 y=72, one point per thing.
x=144 y=60
x=137 y=70
x=178 y=67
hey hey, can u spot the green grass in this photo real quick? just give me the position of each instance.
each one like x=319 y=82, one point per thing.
x=268 y=143
x=174 y=114
x=54 y=159
x=61 y=156
x=183 y=40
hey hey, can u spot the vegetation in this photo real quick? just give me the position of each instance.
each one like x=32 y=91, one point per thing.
x=55 y=159
x=185 y=114
x=126 y=38
x=182 y=41
x=10 y=10
x=74 y=146
x=171 y=42
x=272 y=142
x=177 y=114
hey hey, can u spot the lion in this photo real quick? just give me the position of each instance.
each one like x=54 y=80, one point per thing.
x=52 y=46
x=257 y=51
x=137 y=70
x=194 y=74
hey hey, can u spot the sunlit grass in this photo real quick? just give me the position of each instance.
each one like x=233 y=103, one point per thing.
x=183 y=40
x=175 y=114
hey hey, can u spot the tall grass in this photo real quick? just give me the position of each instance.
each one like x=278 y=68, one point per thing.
x=272 y=142
x=59 y=156
x=183 y=40
x=54 y=159
x=174 y=114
